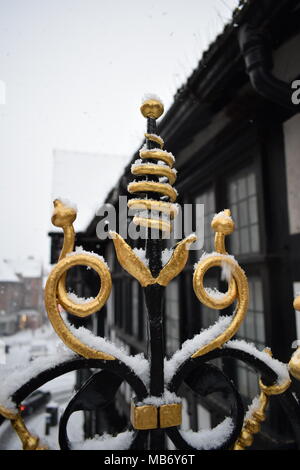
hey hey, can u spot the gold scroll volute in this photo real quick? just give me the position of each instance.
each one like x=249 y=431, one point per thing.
x=55 y=290
x=238 y=286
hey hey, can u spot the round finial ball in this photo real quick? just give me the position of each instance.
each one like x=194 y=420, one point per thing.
x=223 y=223
x=297 y=303
x=62 y=214
x=152 y=109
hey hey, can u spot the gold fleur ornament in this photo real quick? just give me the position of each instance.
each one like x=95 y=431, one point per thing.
x=136 y=268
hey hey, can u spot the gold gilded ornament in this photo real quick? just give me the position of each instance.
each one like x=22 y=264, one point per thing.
x=155 y=138
x=177 y=261
x=162 y=170
x=297 y=303
x=150 y=204
x=242 y=298
x=170 y=415
x=144 y=417
x=157 y=224
x=238 y=286
x=294 y=364
x=153 y=186
x=158 y=155
x=147 y=417
x=136 y=268
x=153 y=169
x=252 y=424
x=152 y=108
x=130 y=261
x=153 y=417
x=29 y=441
x=55 y=290
x=126 y=256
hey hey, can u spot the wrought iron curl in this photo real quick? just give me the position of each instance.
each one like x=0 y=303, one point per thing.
x=55 y=290
x=238 y=285
x=252 y=424
x=29 y=441
x=158 y=201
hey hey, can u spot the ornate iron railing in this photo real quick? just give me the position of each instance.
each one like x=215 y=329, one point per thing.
x=156 y=407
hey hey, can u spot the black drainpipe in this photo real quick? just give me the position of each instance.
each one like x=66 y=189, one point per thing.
x=258 y=60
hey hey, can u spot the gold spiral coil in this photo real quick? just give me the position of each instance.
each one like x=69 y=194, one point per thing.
x=55 y=290
x=153 y=169
x=159 y=170
x=223 y=225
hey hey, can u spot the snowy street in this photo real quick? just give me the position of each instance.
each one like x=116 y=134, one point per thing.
x=61 y=389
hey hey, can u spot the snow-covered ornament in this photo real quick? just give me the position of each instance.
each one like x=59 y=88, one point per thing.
x=155 y=381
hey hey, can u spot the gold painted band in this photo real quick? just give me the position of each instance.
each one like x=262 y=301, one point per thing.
x=151 y=186
x=157 y=155
x=155 y=138
x=276 y=389
x=161 y=225
x=153 y=169
x=149 y=204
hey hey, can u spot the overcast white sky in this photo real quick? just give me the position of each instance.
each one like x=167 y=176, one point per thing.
x=74 y=73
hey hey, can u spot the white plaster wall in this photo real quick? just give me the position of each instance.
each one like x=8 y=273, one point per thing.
x=292 y=161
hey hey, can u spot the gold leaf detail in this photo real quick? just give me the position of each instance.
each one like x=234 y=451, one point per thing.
x=130 y=261
x=177 y=261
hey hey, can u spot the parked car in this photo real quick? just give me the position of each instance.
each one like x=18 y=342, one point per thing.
x=34 y=401
x=38 y=350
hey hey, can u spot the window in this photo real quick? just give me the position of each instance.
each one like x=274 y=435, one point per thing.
x=185 y=423
x=209 y=316
x=252 y=330
x=145 y=325
x=242 y=200
x=144 y=320
x=119 y=309
x=126 y=305
x=172 y=317
x=203 y=417
x=208 y=199
x=135 y=308
x=110 y=316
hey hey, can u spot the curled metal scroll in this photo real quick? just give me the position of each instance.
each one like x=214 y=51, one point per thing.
x=116 y=369
x=200 y=377
x=238 y=286
x=55 y=290
x=187 y=373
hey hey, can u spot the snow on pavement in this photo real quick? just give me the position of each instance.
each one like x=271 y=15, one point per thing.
x=61 y=388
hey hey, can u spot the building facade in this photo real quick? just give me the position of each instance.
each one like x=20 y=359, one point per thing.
x=11 y=299
x=21 y=295
x=234 y=131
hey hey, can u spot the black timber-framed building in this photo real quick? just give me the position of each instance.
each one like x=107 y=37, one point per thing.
x=235 y=134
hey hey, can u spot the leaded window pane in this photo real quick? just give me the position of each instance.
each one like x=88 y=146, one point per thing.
x=252 y=330
x=135 y=308
x=172 y=317
x=208 y=199
x=242 y=200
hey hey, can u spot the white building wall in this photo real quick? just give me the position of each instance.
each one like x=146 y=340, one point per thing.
x=292 y=161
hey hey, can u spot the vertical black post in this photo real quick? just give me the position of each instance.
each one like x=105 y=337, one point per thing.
x=153 y=296
x=154 y=302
